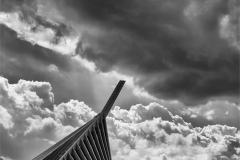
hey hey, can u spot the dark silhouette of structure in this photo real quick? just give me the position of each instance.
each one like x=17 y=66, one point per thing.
x=89 y=142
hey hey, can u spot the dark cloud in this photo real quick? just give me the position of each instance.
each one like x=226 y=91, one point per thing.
x=14 y=46
x=211 y=113
x=22 y=60
x=27 y=59
x=173 y=48
x=11 y=5
x=28 y=13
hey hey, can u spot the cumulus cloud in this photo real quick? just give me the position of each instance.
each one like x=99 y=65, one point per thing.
x=26 y=94
x=5 y=118
x=172 y=139
x=213 y=112
x=142 y=132
x=29 y=117
x=74 y=113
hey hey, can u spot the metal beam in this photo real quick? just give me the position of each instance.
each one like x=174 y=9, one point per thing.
x=89 y=142
x=112 y=98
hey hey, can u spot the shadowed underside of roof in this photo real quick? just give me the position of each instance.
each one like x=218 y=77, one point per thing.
x=89 y=142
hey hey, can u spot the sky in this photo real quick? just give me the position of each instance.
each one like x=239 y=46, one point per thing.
x=61 y=59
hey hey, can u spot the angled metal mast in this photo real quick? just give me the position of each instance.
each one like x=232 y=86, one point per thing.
x=112 y=98
x=89 y=142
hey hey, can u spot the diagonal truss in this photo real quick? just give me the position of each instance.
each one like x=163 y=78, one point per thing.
x=89 y=142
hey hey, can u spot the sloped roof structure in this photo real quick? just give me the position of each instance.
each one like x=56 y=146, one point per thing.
x=89 y=142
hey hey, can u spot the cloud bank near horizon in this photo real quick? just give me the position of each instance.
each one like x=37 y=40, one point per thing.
x=29 y=117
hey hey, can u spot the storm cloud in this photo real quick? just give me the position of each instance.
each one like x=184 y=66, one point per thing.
x=185 y=50
x=31 y=54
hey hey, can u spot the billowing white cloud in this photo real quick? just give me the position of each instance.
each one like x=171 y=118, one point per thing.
x=149 y=132
x=25 y=94
x=73 y=113
x=175 y=138
x=5 y=118
x=139 y=113
x=29 y=117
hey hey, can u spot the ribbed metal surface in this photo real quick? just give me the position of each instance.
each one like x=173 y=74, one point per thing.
x=89 y=142
x=112 y=98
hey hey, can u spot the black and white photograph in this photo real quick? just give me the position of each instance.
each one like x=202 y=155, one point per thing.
x=119 y=79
